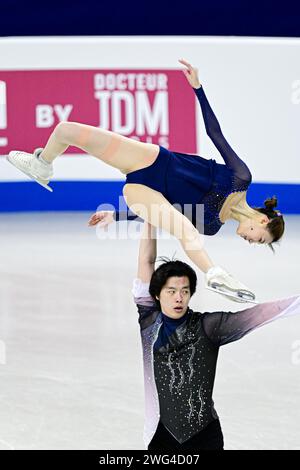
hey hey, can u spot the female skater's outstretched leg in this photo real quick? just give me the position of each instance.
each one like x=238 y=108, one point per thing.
x=114 y=149
x=125 y=154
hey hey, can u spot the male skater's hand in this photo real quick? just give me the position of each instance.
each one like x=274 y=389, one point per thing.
x=191 y=74
x=102 y=218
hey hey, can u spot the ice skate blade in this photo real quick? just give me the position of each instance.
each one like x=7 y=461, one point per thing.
x=232 y=295
x=37 y=180
x=45 y=185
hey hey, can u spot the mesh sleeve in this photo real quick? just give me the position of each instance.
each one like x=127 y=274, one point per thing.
x=213 y=129
x=225 y=327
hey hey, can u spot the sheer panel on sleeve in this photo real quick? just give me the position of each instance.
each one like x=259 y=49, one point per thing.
x=225 y=327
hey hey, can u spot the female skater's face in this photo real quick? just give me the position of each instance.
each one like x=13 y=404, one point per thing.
x=175 y=296
x=254 y=231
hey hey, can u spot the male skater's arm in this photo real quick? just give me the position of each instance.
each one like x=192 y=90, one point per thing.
x=225 y=327
x=146 y=305
x=147 y=253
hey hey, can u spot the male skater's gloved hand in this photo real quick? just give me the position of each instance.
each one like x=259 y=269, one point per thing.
x=221 y=281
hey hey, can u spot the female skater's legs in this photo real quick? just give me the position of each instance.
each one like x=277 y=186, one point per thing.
x=153 y=207
x=116 y=150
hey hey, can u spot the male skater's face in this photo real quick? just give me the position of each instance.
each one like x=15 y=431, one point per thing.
x=175 y=296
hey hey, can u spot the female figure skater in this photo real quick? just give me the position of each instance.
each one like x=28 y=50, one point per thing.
x=156 y=178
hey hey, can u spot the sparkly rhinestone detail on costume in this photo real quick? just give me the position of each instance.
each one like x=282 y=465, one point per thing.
x=184 y=370
x=215 y=198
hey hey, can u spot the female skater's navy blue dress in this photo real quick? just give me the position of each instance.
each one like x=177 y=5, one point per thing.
x=194 y=182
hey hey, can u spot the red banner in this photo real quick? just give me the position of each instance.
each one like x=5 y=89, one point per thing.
x=155 y=106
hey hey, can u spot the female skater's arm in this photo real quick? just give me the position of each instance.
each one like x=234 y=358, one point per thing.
x=225 y=327
x=213 y=128
x=126 y=215
x=104 y=218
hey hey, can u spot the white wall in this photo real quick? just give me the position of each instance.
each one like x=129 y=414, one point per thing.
x=253 y=85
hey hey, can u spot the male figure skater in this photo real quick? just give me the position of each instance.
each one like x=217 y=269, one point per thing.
x=180 y=351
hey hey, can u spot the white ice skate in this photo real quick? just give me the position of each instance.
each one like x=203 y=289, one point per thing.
x=221 y=282
x=237 y=296
x=32 y=166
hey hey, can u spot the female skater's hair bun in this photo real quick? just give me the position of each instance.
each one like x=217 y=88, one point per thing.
x=276 y=222
x=271 y=203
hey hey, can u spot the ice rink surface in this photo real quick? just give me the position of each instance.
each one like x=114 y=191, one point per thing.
x=70 y=353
